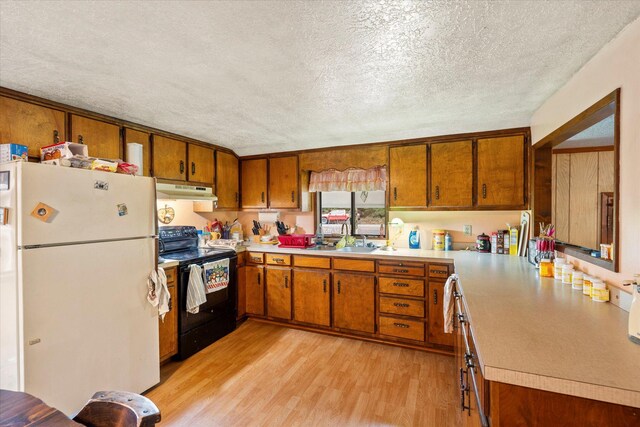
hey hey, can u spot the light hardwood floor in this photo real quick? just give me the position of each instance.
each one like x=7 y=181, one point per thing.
x=268 y=375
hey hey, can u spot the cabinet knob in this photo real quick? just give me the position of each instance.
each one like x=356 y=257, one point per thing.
x=262 y=197
x=338 y=286
x=80 y=139
x=293 y=196
x=56 y=137
x=324 y=286
x=181 y=166
x=193 y=168
x=286 y=281
x=395 y=193
x=259 y=279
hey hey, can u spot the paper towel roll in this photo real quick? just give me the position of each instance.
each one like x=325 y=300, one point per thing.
x=134 y=155
x=268 y=217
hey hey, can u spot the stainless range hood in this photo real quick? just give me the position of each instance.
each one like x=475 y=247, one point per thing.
x=185 y=192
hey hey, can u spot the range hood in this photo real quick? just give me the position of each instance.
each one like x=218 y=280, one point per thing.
x=185 y=192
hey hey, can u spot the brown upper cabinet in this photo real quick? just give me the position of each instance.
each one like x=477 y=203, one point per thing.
x=408 y=176
x=140 y=137
x=227 y=179
x=200 y=164
x=283 y=182
x=452 y=174
x=101 y=138
x=31 y=125
x=254 y=183
x=501 y=171
x=169 y=158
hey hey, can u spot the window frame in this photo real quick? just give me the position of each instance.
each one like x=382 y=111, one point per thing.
x=352 y=219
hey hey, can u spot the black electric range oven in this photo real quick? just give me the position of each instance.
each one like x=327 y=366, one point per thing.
x=217 y=316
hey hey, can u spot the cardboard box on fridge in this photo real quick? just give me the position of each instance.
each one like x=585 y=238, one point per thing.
x=10 y=152
x=63 y=150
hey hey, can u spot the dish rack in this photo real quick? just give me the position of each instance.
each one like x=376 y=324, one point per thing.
x=300 y=241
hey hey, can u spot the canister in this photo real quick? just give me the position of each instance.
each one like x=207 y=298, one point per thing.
x=483 y=243
x=558 y=263
x=577 y=280
x=599 y=291
x=567 y=274
x=438 y=240
x=587 y=282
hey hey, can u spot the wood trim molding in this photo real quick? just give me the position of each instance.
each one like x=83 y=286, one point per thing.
x=582 y=150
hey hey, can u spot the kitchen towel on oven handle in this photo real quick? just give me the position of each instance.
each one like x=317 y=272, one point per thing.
x=195 y=290
x=216 y=275
x=449 y=303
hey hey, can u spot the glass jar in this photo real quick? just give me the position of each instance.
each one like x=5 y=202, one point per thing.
x=567 y=274
x=587 y=282
x=546 y=268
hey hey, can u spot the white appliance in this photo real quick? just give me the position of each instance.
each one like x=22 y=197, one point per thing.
x=185 y=192
x=75 y=254
x=634 y=312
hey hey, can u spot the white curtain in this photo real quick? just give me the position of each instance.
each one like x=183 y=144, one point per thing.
x=374 y=179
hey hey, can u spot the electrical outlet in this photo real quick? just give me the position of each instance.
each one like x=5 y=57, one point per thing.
x=467 y=230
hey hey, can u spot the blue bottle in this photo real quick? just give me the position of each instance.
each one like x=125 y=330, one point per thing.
x=414 y=239
x=448 y=242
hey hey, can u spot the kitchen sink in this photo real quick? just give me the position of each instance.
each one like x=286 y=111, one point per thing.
x=357 y=249
x=322 y=248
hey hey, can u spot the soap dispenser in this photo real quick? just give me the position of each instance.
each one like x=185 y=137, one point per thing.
x=634 y=313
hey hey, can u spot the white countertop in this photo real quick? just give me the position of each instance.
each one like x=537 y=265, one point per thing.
x=168 y=263
x=531 y=331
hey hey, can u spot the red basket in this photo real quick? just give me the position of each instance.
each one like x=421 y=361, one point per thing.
x=296 y=240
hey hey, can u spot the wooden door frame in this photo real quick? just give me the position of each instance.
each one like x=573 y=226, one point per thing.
x=541 y=169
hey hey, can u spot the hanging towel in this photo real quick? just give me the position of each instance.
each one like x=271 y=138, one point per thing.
x=216 y=275
x=195 y=291
x=158 y=293
x=449 y=303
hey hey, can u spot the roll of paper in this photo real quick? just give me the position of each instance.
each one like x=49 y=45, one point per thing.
x=268 y=217
x=134 y=155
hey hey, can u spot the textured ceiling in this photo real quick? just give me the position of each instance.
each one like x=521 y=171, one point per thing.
x=598 y=135
x=275 y=76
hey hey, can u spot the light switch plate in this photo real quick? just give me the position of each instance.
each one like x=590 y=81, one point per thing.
x=467 y=230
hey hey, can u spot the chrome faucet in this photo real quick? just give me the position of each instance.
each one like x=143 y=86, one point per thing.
x=344 y=228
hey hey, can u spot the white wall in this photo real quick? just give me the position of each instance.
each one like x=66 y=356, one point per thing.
x=616 y=65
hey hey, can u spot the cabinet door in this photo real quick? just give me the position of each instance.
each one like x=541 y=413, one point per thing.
x=279 y=293
x=200 y=164
x=436 y=316
x=254 y=289
x=142 y=138
x=102 y=139
x=254 y=183
x=452 y=174
x=227 y=180
x=408 y=176
x=169 y=158
x=168 y=328
x=31 y=125
x=311 y=297
x=501 y=171
x=283 y=182
x=583 y=200
x=354 y=302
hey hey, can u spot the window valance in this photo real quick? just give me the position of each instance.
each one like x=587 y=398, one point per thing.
x=373 y=179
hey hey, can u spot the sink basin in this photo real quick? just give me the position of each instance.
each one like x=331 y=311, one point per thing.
x=357 y=249
x=322 y=248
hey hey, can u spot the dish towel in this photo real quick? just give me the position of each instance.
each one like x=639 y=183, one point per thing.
x=449 y=303
x=216 y=275
x=195 y=291
x=158 y=293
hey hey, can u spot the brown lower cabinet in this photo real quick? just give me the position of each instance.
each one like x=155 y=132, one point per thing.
x=312 y=297
x=485 y=403
x=168 y=327
x=354 y=302
x=254 y=289
x=436 y=317
x=279 y=292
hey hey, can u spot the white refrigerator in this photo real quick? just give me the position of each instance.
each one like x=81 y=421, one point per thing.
x=76 y=248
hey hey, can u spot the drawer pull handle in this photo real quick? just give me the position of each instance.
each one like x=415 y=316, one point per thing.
x=439 y=271
x=280 y=260
x=262 y=197
x=338 y=286
x=484 y=191
x=258 y=279
x=435 y=297
x=256 y=259
x=401 y=285
x=400 y=325
x=400 y=270
x=324 y=286
x=181 y=166
x=395 y=193
x=400 y=304
x=193 y=168
x=286 y=282
x=293 y=197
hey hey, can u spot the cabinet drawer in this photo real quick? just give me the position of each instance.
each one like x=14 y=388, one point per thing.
x=402 y=328
x=439 y=271
x=171 y=275
x=405 y=307
x=401 y=286
x=311 y=261
x=279 y=259
x=401 y=268
x=354 y=264
x=255 y=257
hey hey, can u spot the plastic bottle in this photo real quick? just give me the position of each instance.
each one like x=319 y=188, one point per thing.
x=567 y=274
x=546 y=268
x=577 y=280
x=414 y=238
x=448 y=242
x=558 y=263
